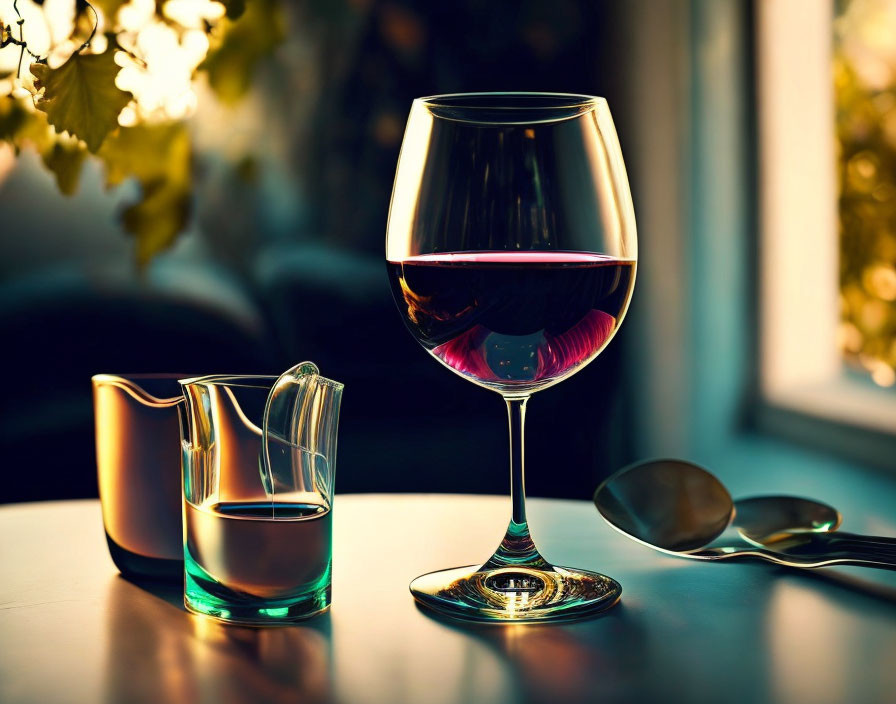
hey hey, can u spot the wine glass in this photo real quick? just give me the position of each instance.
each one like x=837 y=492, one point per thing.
x=511 y=252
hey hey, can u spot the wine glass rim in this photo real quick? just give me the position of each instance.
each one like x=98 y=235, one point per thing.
x=502 y=109
x=565 y=101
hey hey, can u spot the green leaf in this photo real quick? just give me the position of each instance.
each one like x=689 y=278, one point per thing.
x=65 y=159
x=160 y=158
x=80 y=97
x=257 y=32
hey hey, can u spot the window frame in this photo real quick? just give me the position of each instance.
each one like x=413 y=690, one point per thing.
x=805 y=392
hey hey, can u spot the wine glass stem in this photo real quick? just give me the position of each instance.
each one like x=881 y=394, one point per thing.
x=517 y=547
x=516 y=419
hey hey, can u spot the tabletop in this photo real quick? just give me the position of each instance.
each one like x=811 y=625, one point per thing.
x=73 y=630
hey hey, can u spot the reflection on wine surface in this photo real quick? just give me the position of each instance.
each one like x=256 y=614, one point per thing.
x=513 y=321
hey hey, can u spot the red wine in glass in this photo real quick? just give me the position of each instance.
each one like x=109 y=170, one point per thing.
x=513 y=321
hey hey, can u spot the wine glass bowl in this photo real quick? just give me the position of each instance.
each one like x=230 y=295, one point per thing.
x=511 y=253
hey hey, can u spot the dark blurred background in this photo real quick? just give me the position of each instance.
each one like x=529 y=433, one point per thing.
x=283 y=259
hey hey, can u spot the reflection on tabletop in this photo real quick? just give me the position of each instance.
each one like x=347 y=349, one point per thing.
x=562 y=662
x=158 y=652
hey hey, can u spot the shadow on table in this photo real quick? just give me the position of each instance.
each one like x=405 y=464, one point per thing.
x=171 y=591
x=161 y=653
x=562 y=661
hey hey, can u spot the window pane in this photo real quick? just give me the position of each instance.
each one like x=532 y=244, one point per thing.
x=865 y=88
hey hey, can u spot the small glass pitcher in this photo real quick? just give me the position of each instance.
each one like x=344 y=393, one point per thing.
x=259 y=454
x=138 y=469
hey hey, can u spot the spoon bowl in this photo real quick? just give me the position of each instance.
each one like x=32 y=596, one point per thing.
x=765 y=519
x=668 y=504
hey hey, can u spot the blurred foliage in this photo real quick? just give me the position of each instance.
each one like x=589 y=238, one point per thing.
x=114 y=80
x=865 y=87
x=159 y=157
x=61 y=154
x=242 y=44
x=64 y=159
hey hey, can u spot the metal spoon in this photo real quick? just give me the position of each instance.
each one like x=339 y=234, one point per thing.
x=680 y=508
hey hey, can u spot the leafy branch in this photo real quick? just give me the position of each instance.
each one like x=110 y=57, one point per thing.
x=76 y=109
x=8 y=39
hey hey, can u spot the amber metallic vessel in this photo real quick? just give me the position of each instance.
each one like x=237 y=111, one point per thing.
x=138 y=457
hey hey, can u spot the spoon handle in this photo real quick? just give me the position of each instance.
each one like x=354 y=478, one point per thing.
x=841 y=548
x=864 y=546
x=822 y=549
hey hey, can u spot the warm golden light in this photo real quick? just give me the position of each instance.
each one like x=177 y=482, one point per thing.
x=158 y=64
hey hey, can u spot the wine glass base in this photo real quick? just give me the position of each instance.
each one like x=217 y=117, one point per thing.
x=516 y=594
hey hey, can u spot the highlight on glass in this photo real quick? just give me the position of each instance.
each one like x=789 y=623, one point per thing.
x=512 y=252
x=259 y=456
